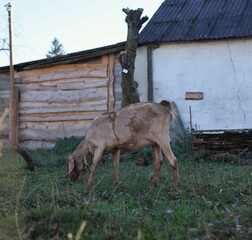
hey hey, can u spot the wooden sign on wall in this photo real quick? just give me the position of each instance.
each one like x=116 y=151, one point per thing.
x=194 y=95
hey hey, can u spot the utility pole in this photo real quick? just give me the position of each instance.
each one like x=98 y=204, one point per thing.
x=13 y=103
x=13 y=116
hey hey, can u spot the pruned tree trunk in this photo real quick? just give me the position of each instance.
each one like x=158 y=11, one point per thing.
x=129 y=86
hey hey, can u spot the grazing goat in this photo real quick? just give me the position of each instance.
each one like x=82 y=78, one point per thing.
x=130 y=128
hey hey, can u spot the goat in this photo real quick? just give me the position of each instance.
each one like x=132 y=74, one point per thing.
x=129 y=129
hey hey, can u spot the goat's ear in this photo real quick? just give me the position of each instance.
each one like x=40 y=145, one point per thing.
x=70 y=164
x=166 y=104
x=74 y=175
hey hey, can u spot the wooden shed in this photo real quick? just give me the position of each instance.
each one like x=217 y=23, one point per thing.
x=59 y=97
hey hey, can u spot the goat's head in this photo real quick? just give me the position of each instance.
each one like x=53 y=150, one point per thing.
x=72 y=169
x=75 y=167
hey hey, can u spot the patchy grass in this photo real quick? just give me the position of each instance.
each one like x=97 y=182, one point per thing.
x=12 y=180
x=214 y=202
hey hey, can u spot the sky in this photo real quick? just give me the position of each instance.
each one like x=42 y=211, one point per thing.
x=79 y=25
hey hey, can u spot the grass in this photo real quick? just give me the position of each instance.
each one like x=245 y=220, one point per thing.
x=214 y=201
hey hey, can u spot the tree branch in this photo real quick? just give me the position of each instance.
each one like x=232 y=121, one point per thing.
x=142 y=21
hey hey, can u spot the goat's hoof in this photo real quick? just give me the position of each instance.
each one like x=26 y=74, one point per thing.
x=153 y=182
x=74 y=175
x=177 y=185
x=115 y=184
x=177 y=193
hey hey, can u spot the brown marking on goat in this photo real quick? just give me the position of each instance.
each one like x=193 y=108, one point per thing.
x=152 y=114
x=135 y=125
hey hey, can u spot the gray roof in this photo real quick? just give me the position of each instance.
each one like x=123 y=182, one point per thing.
x=190 y=20
x=71 y=58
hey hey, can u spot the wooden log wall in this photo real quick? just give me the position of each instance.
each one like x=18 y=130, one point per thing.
x=61 y=101
x=4 y=109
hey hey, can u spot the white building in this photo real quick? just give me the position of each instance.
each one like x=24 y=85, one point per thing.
x=199 y=55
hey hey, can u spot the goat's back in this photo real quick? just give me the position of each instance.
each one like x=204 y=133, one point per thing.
x=130 y=125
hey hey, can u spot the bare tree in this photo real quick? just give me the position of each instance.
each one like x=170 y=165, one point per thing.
x=4 y=43
x=129 y=86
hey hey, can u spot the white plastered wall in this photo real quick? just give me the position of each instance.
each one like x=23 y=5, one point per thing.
x=222 y=70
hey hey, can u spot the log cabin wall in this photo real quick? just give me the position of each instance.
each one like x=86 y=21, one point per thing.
x=4 y=110
x=61 y=101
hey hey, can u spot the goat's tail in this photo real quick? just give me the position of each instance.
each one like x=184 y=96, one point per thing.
x=171 y=106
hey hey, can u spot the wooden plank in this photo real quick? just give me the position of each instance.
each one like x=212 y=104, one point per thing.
x=3 y=104
x=33 y=144
x=58 y=68
x=226 y=141
x=63 y=96
x=68 y=84
x=60 y=125
x=3 y=118
x=52 y=131
x=217 y=131
x=5 y=94
x=66 y=66
x=46 y=107
x=85 y=84
x=39 y=135
x=67 y=116
x=4 y=136
x=4 y=81
x=111 y=77
x=194 y=95
x=96 y=70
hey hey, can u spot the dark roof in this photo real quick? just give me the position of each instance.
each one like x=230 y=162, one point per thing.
x=189 y=20
x=70 y=58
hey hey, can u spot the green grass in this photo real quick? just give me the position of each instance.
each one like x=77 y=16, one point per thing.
x=214 y=201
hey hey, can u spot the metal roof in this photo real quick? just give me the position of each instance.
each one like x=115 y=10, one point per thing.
x=190 y=20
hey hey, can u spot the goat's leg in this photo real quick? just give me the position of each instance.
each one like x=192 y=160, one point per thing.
x=85 y=153
x=115 y=162
x=97 y=157
x=166 y=148
x=157 y=164
x=85 y=163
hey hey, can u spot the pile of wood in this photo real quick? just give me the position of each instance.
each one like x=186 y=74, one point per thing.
x=218 y=141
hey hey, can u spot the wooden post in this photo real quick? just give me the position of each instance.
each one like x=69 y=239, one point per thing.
x=111 y=79
x=13 y=108
x=149 y=74
x=150 y=49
